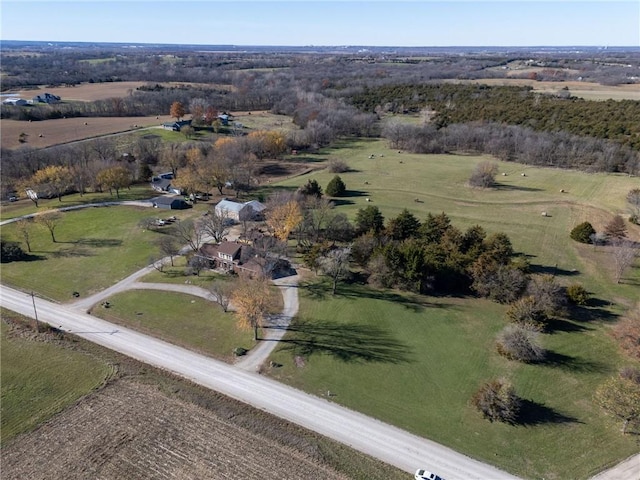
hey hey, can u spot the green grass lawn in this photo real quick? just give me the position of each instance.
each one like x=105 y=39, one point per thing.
x=40 y=379
x=411 y=361
x=415 y=362
x=26 y=207
x=394 y=181
x=185 y=320
x=95 y=248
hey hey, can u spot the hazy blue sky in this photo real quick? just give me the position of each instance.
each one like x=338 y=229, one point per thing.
x=346 y=22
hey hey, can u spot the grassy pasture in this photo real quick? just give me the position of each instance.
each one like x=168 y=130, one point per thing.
x=416 y=361
x=185 y=320
x=438 y=183
x=107 y=240
x=40 y=379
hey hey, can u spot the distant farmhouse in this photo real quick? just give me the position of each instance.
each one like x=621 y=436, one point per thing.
x=19 y=102
x=240 y=212
x=162 y=183
x=176 y=126
x=46 y=98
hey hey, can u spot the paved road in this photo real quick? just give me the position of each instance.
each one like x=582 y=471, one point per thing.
x=390 y=444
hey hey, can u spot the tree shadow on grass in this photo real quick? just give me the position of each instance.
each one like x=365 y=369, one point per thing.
x=502 y=186
x=73 y=251
x=562 y=325
x=593 y=313
x=338 y=202
x=322 y=291
x=574 y=364
x=347 y=342
x=551 y=270
x=99 y=242
x=533 y=413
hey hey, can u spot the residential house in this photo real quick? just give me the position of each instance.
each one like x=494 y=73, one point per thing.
x=46 y=98
x=241 y=258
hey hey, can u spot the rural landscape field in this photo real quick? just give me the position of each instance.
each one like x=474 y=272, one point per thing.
x=438 y=269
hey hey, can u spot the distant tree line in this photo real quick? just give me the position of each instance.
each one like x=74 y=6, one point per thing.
x=618 y=121
x=516 y=143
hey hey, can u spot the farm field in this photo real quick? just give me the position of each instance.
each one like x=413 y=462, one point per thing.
x=65 y=130
x=40 y=379
x=88 y=92
x=145 y=424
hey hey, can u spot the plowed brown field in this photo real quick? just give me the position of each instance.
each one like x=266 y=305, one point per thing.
x=131 y=430
x=54 y=132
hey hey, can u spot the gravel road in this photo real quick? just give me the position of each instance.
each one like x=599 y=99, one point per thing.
x=380 y=440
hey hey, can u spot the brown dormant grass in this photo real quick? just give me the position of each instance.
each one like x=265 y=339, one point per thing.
x=132 y=430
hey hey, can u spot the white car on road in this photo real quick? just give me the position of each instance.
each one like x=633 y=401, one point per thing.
x=425 y=475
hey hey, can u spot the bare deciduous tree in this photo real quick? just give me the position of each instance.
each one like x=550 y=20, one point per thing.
x=222 y=291
x=24 y=227
x=620 y=397
x=616 y=228
x=50 y=220
x=190 y=232
x=624 y=253
x=335 y=264
x=484 y=175
x=627 y=332
x=520 y=343
x=497 y=401
x=216 y=224
x=169 y=247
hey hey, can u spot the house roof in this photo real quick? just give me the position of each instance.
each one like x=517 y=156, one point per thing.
x=229 y=206
x=167 y=200
x=229 y=248
x=256 y=205
x=162 y=183
x=211 y=250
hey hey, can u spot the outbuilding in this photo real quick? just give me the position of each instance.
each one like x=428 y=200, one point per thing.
x=240 y=212
x=170 y=203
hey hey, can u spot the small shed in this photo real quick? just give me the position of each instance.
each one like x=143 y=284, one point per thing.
x=170 y=203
